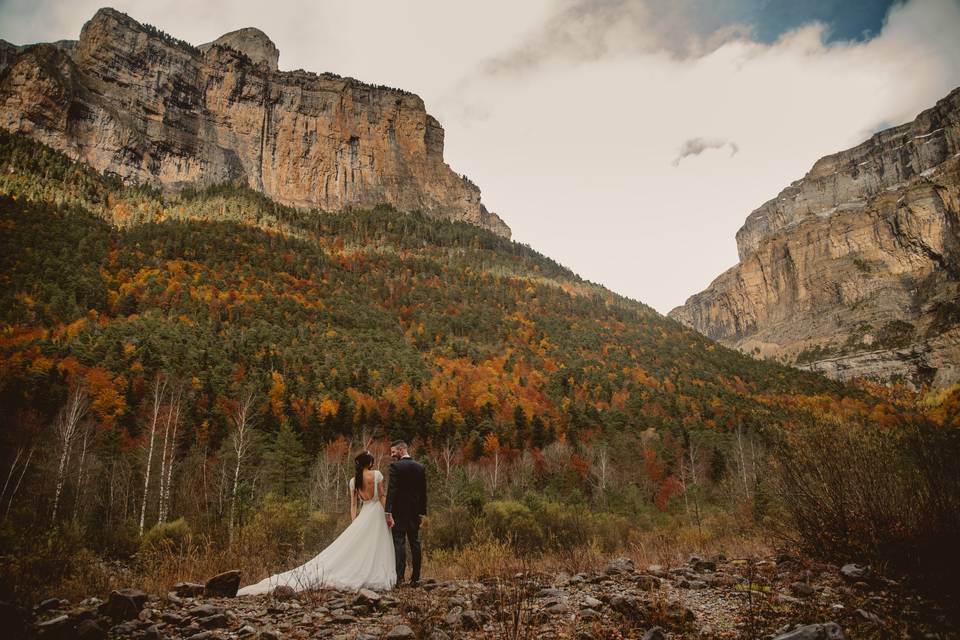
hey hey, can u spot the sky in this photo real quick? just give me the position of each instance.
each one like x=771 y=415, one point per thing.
x=626 y=139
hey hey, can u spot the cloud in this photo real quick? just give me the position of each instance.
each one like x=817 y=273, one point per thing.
x=588 y=30
x=696 y=146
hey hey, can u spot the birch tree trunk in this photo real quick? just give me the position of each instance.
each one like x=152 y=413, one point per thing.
x=83 y=457
x=16 y=487
x=242 y=418
x=159 y=389
x=67 y=423
x=166 y=453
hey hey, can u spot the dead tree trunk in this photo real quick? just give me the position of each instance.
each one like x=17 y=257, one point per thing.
x=67 y=424
x=159 y=389
x=242 y=416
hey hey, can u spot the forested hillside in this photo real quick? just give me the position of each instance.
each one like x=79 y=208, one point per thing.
x=216 y=357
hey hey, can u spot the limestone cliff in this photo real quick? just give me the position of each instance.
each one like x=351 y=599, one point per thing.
x=135 y=102
x=854 y=270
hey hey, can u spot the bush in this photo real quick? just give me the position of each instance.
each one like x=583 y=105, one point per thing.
x=514 y=522
x=276 y=531
x=450 y=529
x=167 y=537
x=320 y=530
x=883 y=495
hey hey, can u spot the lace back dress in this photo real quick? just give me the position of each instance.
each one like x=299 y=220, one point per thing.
x=362 y=557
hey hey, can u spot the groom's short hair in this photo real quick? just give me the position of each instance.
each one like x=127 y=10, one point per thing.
x=399 y=443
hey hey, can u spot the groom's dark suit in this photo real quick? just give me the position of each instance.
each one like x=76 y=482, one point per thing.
x=407 y=502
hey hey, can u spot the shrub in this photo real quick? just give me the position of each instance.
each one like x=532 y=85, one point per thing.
x=514 y=522
x=167 y=536
x=320 y=530
x=450 y=529
x=865 y=493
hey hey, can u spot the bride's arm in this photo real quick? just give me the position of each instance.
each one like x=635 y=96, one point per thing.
x=383 y=493
x=353 y=502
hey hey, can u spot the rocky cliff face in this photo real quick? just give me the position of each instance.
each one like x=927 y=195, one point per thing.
x=854 y=270
x=151 y=109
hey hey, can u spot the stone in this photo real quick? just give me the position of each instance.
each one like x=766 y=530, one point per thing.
x=590 y=602
x=589 y=614
x=471 y=620
x=620 y=565
x=223 y=585
x=824 y=631
x=314 y=141
x=401 y=632
x=188 y=589
x=855 y=572
x=875 y=220
x=124 y=604
x=801 y=589
x=656 y=633
x=56 y=628
x=283 y=592
x=645 y=582
x=89 y=630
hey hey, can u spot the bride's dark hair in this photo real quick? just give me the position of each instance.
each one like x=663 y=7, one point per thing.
x=363 y=461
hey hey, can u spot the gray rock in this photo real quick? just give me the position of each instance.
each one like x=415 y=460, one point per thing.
x=284 y=592
x=655 y=633
x=824 y=631
x=471 y=620
x=589 y=614
x=801 y=589
x=591 y=603
x=124 y=604
x=89 y=630
x=401 y=632
x=855 y=572
x=620 y=565
x=223 y=585
x=188 y=589
x=647 y=583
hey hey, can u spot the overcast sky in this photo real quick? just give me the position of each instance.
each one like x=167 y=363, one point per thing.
x=627 y=139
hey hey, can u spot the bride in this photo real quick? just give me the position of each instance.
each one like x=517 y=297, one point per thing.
x=361 y=557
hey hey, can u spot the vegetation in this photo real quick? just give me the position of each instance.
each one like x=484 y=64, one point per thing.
x=185 y=380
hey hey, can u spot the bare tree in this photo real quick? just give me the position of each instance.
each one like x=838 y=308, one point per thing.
x=171 y=421
x=242 y=416
x=67 y=424
x=23 y=472
x=159 y=390
x=600 y=469
x=85 y=429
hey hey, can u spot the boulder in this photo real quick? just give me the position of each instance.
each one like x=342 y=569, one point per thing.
x=188 y=589
x=284 y=592
x=856 y=572
x=124 y=604
x=223 y=585
x=823 y=631
x=401 y=632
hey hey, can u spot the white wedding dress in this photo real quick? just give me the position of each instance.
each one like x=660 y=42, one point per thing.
x=362 y=557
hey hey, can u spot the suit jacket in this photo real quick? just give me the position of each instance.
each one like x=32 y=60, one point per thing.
x=407 y=490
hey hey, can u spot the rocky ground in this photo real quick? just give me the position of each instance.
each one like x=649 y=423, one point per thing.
x=782 y=598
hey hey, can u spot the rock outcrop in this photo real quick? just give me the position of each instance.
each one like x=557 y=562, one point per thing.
x=854 y=270
x=138 y=103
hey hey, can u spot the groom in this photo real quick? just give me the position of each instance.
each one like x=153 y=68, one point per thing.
x=406 y=506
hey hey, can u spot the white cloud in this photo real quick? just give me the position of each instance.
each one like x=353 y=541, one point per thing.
x=575 y=150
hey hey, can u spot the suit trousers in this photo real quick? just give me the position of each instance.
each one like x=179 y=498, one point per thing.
x=407 y=530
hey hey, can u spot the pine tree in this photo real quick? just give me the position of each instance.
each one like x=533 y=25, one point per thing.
x=285 y=462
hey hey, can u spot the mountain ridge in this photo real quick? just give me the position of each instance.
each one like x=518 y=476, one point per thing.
x=854 y=269
x=131 y=100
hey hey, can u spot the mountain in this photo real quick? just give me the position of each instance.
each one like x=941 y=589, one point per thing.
x=362 y=319
x=133 y=101
x=853 y=270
